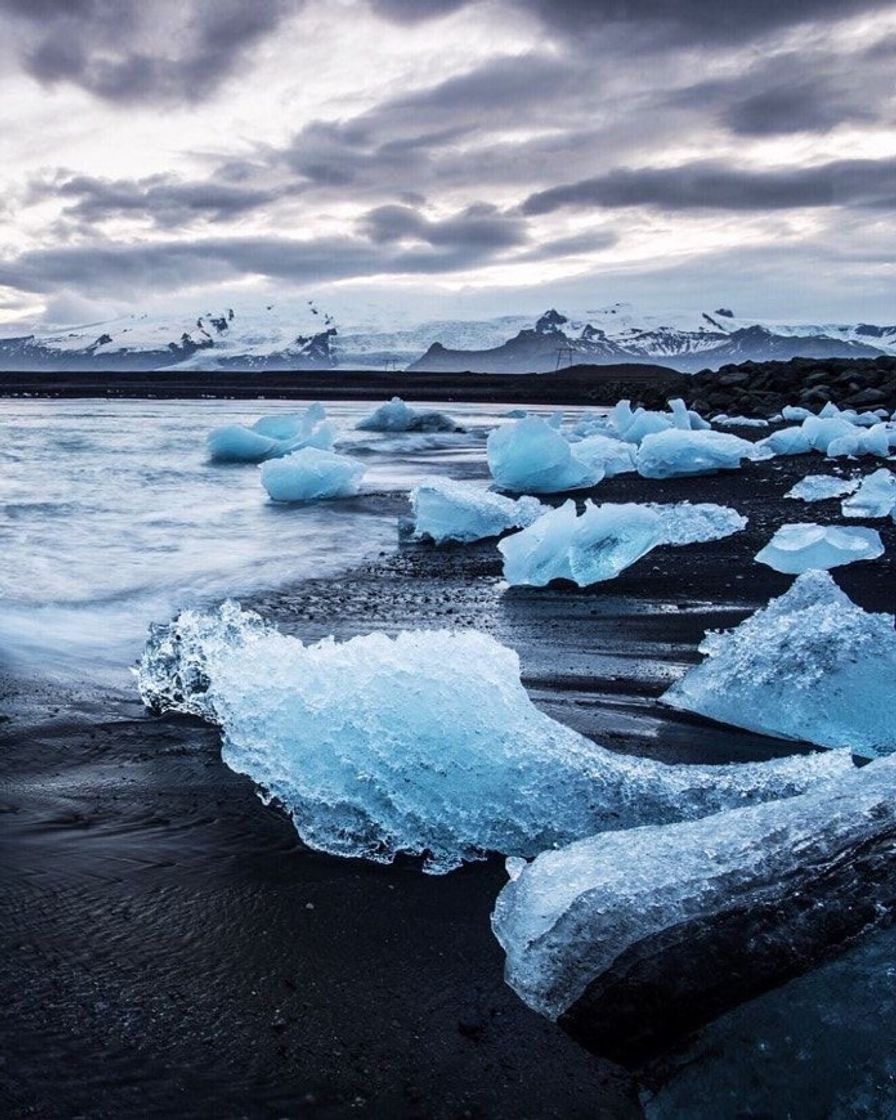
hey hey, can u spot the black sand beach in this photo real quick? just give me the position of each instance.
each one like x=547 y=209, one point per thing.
x=171 y=949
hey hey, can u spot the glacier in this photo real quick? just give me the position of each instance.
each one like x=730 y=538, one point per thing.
x=634 y=937
x=820 y=487
x=607 y=538
x=531 y=457
x=673 y=453
x=396 y=416
x=272 y=437
x=310 y=475
x=800 y=546
x=446 y=510
x=425 y=743
x=876 y=496
x=810 y=665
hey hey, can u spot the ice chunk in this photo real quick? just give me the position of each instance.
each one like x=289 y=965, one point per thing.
x=605 y=455
x=798 y=547
x=690 y=918
x=858 y=442
x=811 y=665
x=725 y=421
x=823 y=430
x=820 y=487
x=876 y=497
x=425 y=743
x=643 y=424
x=793 y=414
x=673 y=453
x=312 y=474
x=787 y=441
x=445 y=510
x=532 y=457
x=272 y=437
x=606 y=539
x=396 y=416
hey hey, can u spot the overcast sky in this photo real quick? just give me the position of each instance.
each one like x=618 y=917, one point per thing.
x=447 y=159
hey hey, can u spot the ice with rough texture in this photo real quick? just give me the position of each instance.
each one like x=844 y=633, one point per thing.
x=787 y=441
x=445 y=510
x=723 y=420
x=272 y=437
x=425 y=743
x=568 y=917
x=396 y=416
x=859 y=442
x=821 y=487
x=811 y=665
x=310 y=475
x=800 y=546
x=876 y=497
x=605 y=455
x=674 y=453
x=532 y=457
x=607 y=538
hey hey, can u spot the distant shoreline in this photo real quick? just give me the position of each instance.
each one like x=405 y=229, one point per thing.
x=649 y=384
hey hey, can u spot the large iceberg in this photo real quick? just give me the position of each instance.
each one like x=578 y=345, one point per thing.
x=876 y=497
x=425 y=743
x=634 y=938
x=396 y=416
x=798 y=547
x=445 y=510
x=811 y=665
x=820 y=487
x=673 y=453
x=310 y=475
x=272 y=437
x=606 y=539
x=532 y=457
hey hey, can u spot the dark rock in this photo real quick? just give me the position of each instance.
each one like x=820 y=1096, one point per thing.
x=866 y=396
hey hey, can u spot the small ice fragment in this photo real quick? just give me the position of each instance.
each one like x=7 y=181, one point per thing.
x=798 y=547
x=396 y=416
x=310 y=475
x=793 y=414
x=876 y=497
x=820 y=487
x=811 y=665
x=445 y=510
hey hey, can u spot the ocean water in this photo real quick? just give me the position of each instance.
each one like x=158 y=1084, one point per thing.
x=111 y=517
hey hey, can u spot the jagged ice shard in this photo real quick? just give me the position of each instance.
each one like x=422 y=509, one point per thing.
x=811 y=665
x=606 y=539
x=425 y=743
x=802 y=546
x=311 y=475
x=634 y=938
x=876 y=497
x=446 y=510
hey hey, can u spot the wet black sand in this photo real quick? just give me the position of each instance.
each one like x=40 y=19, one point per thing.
x=169 y=947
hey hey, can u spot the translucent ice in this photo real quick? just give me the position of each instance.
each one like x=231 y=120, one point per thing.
x=396 y=416
x=272 y=437
x=794 y=414
x=859 y=442
x=787 y=441
x=605 y=455
x=798 y=547
x=673 y=453
x=725 y=421
x=820 y=487
x=583 y=915
x=811 y=665
x=530 y=456
x=311 y=474
x=876 y=497
x=425 y=743
x=606 y=539
x=445 y=510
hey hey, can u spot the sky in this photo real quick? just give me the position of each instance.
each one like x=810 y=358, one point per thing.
x=417 y=159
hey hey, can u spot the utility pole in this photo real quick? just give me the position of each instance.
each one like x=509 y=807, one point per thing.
x=564 y=352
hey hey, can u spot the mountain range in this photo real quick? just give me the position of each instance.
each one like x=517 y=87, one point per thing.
x=302 y=337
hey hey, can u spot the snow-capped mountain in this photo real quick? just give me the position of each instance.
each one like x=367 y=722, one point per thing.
x=301 y=336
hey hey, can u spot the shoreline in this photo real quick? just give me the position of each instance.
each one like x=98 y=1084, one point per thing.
x=174 y=949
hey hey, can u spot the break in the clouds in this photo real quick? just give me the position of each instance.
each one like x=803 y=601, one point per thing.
x=491 y=154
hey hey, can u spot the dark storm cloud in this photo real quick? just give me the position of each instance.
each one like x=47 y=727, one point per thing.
x=162 y=199
x=480 y=226
x=709 y=185
x=129 y=50
x=415 y=11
